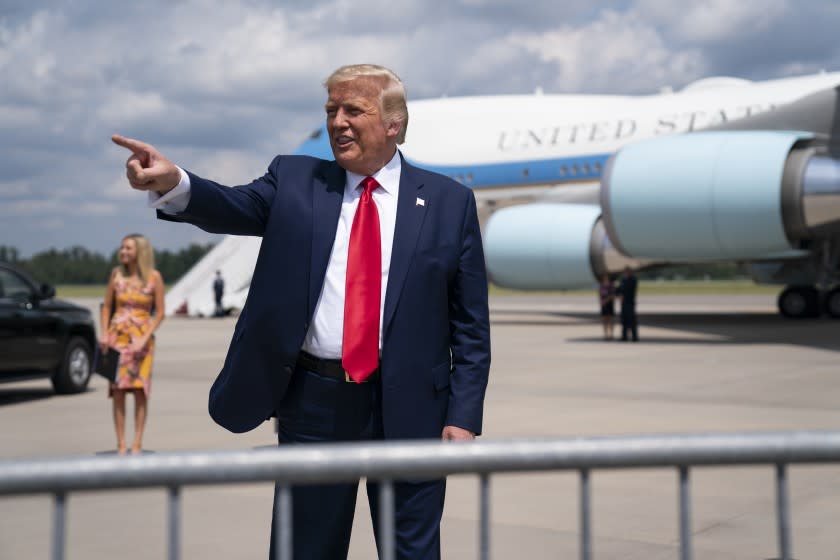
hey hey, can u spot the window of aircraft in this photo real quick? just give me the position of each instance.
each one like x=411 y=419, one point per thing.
x=584 y=169
x=596 y=167
x=525 y=172
x=315 y=134
x=563 y=170
x=469 y=177
x=573 y=170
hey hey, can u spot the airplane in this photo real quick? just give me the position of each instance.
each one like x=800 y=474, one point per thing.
x=570 y=187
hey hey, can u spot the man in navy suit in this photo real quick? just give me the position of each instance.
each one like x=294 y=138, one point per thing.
x=627 y=290
x=308 y=346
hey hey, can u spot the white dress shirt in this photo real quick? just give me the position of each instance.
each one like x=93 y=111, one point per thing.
x=326 y=331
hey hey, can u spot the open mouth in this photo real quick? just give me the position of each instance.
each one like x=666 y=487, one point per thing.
x=343 y=141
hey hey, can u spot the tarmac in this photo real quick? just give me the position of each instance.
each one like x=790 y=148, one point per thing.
x=721 y=363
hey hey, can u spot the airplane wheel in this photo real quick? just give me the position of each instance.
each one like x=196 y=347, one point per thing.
x=798 y=302
x=832 y=303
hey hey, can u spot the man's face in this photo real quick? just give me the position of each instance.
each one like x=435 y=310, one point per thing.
x=361 y=141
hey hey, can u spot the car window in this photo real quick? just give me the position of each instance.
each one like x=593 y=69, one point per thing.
x=12 y=286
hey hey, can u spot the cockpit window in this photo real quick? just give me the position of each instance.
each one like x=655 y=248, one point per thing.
x=316 y=134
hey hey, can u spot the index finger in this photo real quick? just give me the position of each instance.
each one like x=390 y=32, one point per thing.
x=135 y=146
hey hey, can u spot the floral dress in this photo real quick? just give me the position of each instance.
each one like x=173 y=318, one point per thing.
x=132 y=318
x=607 y=292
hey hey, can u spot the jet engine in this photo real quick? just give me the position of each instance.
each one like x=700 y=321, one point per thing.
x=548 y=246
x=748 y=195
x=751 y=195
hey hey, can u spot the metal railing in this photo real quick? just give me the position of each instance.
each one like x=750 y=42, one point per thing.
x=387 y=462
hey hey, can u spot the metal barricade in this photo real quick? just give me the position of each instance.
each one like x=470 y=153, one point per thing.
x=387 y=462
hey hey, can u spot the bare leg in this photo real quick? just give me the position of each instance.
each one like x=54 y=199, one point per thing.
x=140 y=407
x=118 y=396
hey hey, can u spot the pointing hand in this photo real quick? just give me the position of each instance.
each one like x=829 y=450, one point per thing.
x=147 y=169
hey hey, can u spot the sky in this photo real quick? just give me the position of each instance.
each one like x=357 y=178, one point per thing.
x=222 y=86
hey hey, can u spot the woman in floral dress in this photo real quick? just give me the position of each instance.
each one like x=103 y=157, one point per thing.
x=135 y=295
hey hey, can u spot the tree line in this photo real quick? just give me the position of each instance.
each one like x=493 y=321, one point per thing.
x=696 y=271
x=78 y=265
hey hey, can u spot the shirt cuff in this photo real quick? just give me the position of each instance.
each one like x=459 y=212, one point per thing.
x=174 y=201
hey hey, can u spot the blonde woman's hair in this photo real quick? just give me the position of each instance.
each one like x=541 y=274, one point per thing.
x=392 y=95
x=145 y=256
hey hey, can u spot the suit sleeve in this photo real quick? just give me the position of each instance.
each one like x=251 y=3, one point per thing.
x=216 y=208
x=469 y=328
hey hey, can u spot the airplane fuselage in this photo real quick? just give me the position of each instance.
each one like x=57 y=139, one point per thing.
x=527 y=140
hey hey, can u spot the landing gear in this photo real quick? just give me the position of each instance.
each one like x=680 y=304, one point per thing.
x=813 y=282
x=800 y=302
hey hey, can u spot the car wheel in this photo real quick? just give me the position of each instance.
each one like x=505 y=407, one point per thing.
x=73 y=373
x=832 y=303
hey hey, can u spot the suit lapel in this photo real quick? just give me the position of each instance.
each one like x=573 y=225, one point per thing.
x=410 y=215
x=327 y=194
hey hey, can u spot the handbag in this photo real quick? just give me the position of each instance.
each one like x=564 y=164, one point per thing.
x=106 y=363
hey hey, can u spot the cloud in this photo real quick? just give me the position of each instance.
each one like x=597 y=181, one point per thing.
x=99 y=208
x=616 y=52
x=52 y=225
x=26 y=43
x=29 y=207
x=129 y=107
x=16 y=189
x=707 y=21
x=15 y=117
x=222 y=86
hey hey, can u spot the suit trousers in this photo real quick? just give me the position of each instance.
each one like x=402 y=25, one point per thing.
x=320 y=409
x=629 y=324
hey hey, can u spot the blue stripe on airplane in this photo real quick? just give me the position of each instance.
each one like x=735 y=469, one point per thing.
x=488 y=175
x=557 y=170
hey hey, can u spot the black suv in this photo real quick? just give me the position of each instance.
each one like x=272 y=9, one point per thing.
x=41 y=336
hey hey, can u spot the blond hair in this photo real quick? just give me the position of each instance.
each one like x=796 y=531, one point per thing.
x=145 y=256
x=392 y=97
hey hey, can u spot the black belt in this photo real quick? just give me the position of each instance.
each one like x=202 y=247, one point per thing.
x=329 y=368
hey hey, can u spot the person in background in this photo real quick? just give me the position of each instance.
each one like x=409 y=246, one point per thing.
x=606 y=298
x=627 y=290
x=132 y=312
x=218 y=292
x=367 y=317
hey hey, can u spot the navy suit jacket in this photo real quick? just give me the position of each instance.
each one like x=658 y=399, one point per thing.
x=627 y=288
x=436 y=338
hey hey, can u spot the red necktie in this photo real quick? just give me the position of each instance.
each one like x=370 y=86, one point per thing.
x=363 y=288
